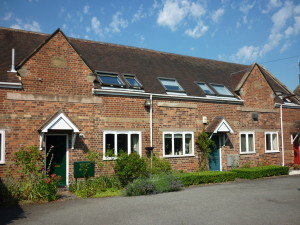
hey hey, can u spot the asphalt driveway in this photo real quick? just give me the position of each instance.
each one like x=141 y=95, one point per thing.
x=264 y=201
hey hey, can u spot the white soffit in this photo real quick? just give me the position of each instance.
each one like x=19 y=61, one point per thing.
x=223 y=127
x=61 y=122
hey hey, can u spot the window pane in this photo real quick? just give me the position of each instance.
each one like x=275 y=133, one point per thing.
x=122 y=140
x=168 y=144
x=132 y=81
x=178 y=144
x=250 y=143
x=114 y=80
x=206 y=89
x=171 y=85
x=243 y=142
x=135 y=143
x=268 y=142
x=274 y=142
x=188 y=144
x=109 y=145
x=221 y=89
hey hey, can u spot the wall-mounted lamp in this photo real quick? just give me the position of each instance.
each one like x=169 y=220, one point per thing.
x=204 y=120
x=81 y=135
x=147 y=103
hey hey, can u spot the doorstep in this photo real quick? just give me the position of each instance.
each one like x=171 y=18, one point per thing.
x=294 y=172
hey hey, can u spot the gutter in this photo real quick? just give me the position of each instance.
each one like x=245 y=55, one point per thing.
x=10 y=85
x=281 y=128
x=164 y=96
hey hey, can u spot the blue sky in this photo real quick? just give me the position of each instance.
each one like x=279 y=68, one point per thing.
x=240 y=31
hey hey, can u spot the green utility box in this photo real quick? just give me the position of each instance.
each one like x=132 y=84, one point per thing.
x=84 y=169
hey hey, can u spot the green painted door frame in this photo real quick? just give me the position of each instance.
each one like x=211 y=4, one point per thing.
x=57 y=158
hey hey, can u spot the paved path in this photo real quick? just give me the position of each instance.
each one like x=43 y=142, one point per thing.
x=264 y=201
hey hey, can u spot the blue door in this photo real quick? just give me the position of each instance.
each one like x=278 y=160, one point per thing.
x=214 y=156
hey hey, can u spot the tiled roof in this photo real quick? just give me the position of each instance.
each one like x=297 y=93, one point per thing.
x=146 y=64
x=24 y=43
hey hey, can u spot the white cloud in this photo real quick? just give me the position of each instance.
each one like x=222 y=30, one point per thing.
x=34 y=26
x=272 y=5
x=297 y=25
x=288 y=32
x=139 y=14
x=217 y=15
x=279 y=18
x=117 y=23
x=8 y=16
x=175 y=11
x=171 y=14
x=297 y=9
x=95 y=24
x=245 y=8
x=279 y=32
x=86 y=9
x=198 y=30
x=196 y=10
x=285 y=46
x=247 y=53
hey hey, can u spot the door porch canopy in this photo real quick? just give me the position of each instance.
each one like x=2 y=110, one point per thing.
x=59 y=121
x=219 y=125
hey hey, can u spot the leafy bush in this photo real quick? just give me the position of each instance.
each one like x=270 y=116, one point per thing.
x=204 y=144
x=93 y=187
x=166 y=183
x=32 y=182
x=205 y=177
x=140 y=186
x=159 y=165
x=259 y=172
x=130 y=167
x=153 y=185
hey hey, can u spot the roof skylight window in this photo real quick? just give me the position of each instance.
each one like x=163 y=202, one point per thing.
x=108 y=79
x=132 y=81
x=206 y=89
x=221 y=89
x=171 y=85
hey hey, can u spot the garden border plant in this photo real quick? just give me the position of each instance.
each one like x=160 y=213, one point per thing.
x=31 y=182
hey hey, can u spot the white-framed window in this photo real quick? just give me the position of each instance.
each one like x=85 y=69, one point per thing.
x=2 y=146
x=178 y=144
x=247 y=142
x=171 y=84
x=221 y=89
x=118 y=142
x=271 y=142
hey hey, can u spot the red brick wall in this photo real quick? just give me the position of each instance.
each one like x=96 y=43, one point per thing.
x=56 y=70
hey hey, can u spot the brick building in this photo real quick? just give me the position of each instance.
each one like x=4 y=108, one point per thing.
x=80 y=95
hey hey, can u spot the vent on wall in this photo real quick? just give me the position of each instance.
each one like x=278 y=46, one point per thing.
x=255 y=116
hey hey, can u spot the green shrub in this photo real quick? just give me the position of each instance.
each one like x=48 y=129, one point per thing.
x=93 y=187
x=259 y=172
x=130 y=167
x=157 y=183
x=32 y=182
x=165 y=183
x=159 y=165
x=140 y=186
x=205 y=177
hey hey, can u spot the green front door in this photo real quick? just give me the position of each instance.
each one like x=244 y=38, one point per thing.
x=56 y=148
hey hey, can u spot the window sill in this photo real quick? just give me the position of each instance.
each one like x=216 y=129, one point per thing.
x=268 y=152
x=247 y=153
x=110 y=158
x=178 y=156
